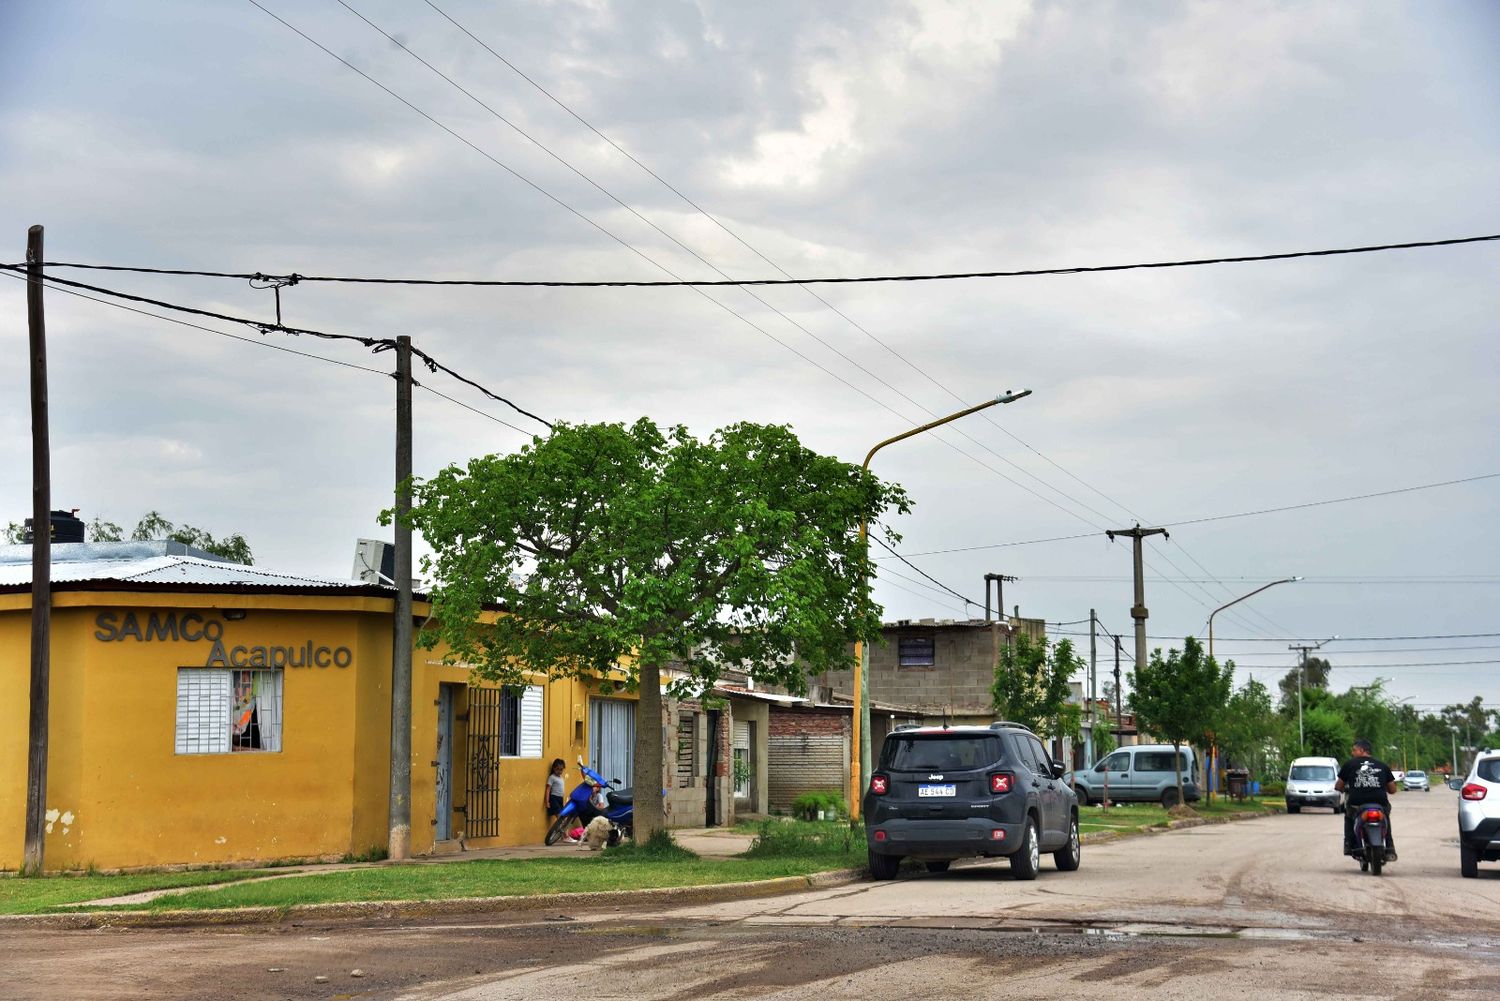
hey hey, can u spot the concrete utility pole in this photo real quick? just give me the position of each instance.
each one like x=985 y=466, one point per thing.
x=41 y=566
x=1301 y=670
x=399 y=846
x=998 y=579
x=1093 y=677
x=1138 y=611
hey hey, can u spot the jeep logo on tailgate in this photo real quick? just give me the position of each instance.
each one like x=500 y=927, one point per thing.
x=934 y=778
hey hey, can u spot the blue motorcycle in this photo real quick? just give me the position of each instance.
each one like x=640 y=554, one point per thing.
x=580 y=808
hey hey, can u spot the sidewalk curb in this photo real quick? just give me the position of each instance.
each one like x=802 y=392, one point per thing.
x=669 y=896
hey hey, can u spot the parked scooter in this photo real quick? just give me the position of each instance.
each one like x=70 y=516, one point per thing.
x=1371 y=836
x=581 y=807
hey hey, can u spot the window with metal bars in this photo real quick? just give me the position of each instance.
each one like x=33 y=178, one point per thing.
x=916 y=650
x=687 y=748
x=220 y=712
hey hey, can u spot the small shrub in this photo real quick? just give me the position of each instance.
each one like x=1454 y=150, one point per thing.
x=374 y=853
x=807 y=805
x=779 y=839
x=660 y=847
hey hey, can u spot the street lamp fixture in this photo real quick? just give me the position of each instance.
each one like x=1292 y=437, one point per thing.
x=859 y=745
x=1216 y=611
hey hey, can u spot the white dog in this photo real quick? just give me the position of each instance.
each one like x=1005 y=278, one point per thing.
x=596 y=835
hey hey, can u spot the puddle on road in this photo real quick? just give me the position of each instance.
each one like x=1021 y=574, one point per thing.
x=1110 y=931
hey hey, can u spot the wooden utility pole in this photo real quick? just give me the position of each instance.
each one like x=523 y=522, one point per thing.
x=399 y=846
x=1138 y=610
x=41 y=565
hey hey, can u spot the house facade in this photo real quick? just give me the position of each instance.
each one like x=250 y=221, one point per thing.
x=205 y=712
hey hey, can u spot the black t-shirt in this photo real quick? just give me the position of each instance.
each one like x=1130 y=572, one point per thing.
x=1365 y=781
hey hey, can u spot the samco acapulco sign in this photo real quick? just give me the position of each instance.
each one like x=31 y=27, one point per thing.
x=190 y=627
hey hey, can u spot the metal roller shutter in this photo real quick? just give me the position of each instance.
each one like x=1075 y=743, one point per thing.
x=805 y=763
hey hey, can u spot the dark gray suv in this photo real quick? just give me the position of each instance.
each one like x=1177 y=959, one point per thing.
x=944 y=793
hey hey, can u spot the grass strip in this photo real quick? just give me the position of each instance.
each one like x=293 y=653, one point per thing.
x=485 y=878
x=37 y=895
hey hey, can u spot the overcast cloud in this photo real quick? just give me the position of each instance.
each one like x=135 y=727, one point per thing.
x=837 y=139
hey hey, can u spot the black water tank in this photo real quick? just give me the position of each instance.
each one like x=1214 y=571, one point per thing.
x=66 y=527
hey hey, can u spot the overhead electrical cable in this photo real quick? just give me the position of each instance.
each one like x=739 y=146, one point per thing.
x=885 y=545
x=667 y=270
x=376 y=343
x=736 y=282
x=1226 y=517
x=854 y=362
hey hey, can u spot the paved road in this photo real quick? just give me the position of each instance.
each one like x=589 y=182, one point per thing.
x=1265 y=907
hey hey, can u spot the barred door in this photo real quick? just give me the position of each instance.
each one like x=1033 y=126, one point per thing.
x=482 y=812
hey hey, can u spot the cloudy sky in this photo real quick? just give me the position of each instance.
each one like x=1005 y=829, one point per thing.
x=838 y=138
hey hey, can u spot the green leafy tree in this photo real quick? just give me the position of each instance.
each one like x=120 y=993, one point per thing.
x=1249 y=725
x=633 y=548
x=1031 y=686
x=1327 y=733
x=1104 y=738
x=154 y=527
x=1314 y=679
x=1180 y=697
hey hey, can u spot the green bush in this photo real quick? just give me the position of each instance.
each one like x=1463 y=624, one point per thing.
x=660 y=847
x=807 y=805
x=1272 y=788
x=780 y=839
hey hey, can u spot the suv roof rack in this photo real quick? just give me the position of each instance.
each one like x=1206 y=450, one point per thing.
x=1000 y=724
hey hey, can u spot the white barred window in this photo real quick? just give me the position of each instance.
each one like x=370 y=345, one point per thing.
x=219 y=712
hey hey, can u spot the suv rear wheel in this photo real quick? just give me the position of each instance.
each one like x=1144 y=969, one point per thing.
x=1028 y=858
x=884 y=866
x=1068 y=858
x=1468 y=860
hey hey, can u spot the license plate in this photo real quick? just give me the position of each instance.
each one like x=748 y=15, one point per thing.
x=942 y=790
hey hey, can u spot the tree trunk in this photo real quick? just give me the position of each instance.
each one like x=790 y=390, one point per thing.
x=650 y=816
x=1177 y=760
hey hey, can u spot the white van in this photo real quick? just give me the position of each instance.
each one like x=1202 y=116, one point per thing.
x=1309 y=782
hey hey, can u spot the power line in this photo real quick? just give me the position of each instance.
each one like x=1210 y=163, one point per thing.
x=885 y=545
x=377 y=344
x=1342 y=639
x=855 y=363
x=735 y=283
x=1227 y=517
x=278 y=347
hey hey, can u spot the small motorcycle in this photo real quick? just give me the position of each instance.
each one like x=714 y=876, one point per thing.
x=580 y=808
x=1371 y=835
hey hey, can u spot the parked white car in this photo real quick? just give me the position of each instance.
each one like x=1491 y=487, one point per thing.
x=1479 y=814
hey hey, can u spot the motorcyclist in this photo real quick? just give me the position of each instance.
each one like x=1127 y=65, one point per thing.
x=1366 y=781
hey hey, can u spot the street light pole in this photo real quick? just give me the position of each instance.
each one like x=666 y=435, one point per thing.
x=1216 y=611
x=859 y=744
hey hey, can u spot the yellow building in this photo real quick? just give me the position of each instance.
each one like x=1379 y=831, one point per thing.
x=206 y=712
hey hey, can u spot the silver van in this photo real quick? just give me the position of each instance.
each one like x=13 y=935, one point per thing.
x=1144 y=773
x=1309 y=782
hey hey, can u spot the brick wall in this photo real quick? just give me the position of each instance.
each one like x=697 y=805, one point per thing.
x=808 y=751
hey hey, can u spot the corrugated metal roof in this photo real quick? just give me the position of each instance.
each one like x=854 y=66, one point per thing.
x=153 y=565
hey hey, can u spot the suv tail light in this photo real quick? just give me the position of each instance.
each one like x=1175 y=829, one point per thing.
x=1474 y=791
x=880 y=785
x=1001 y=782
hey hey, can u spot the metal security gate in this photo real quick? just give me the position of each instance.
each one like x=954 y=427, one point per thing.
x=482 y=812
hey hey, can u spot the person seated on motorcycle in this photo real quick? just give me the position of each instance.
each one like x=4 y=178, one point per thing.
x=1366 y=781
